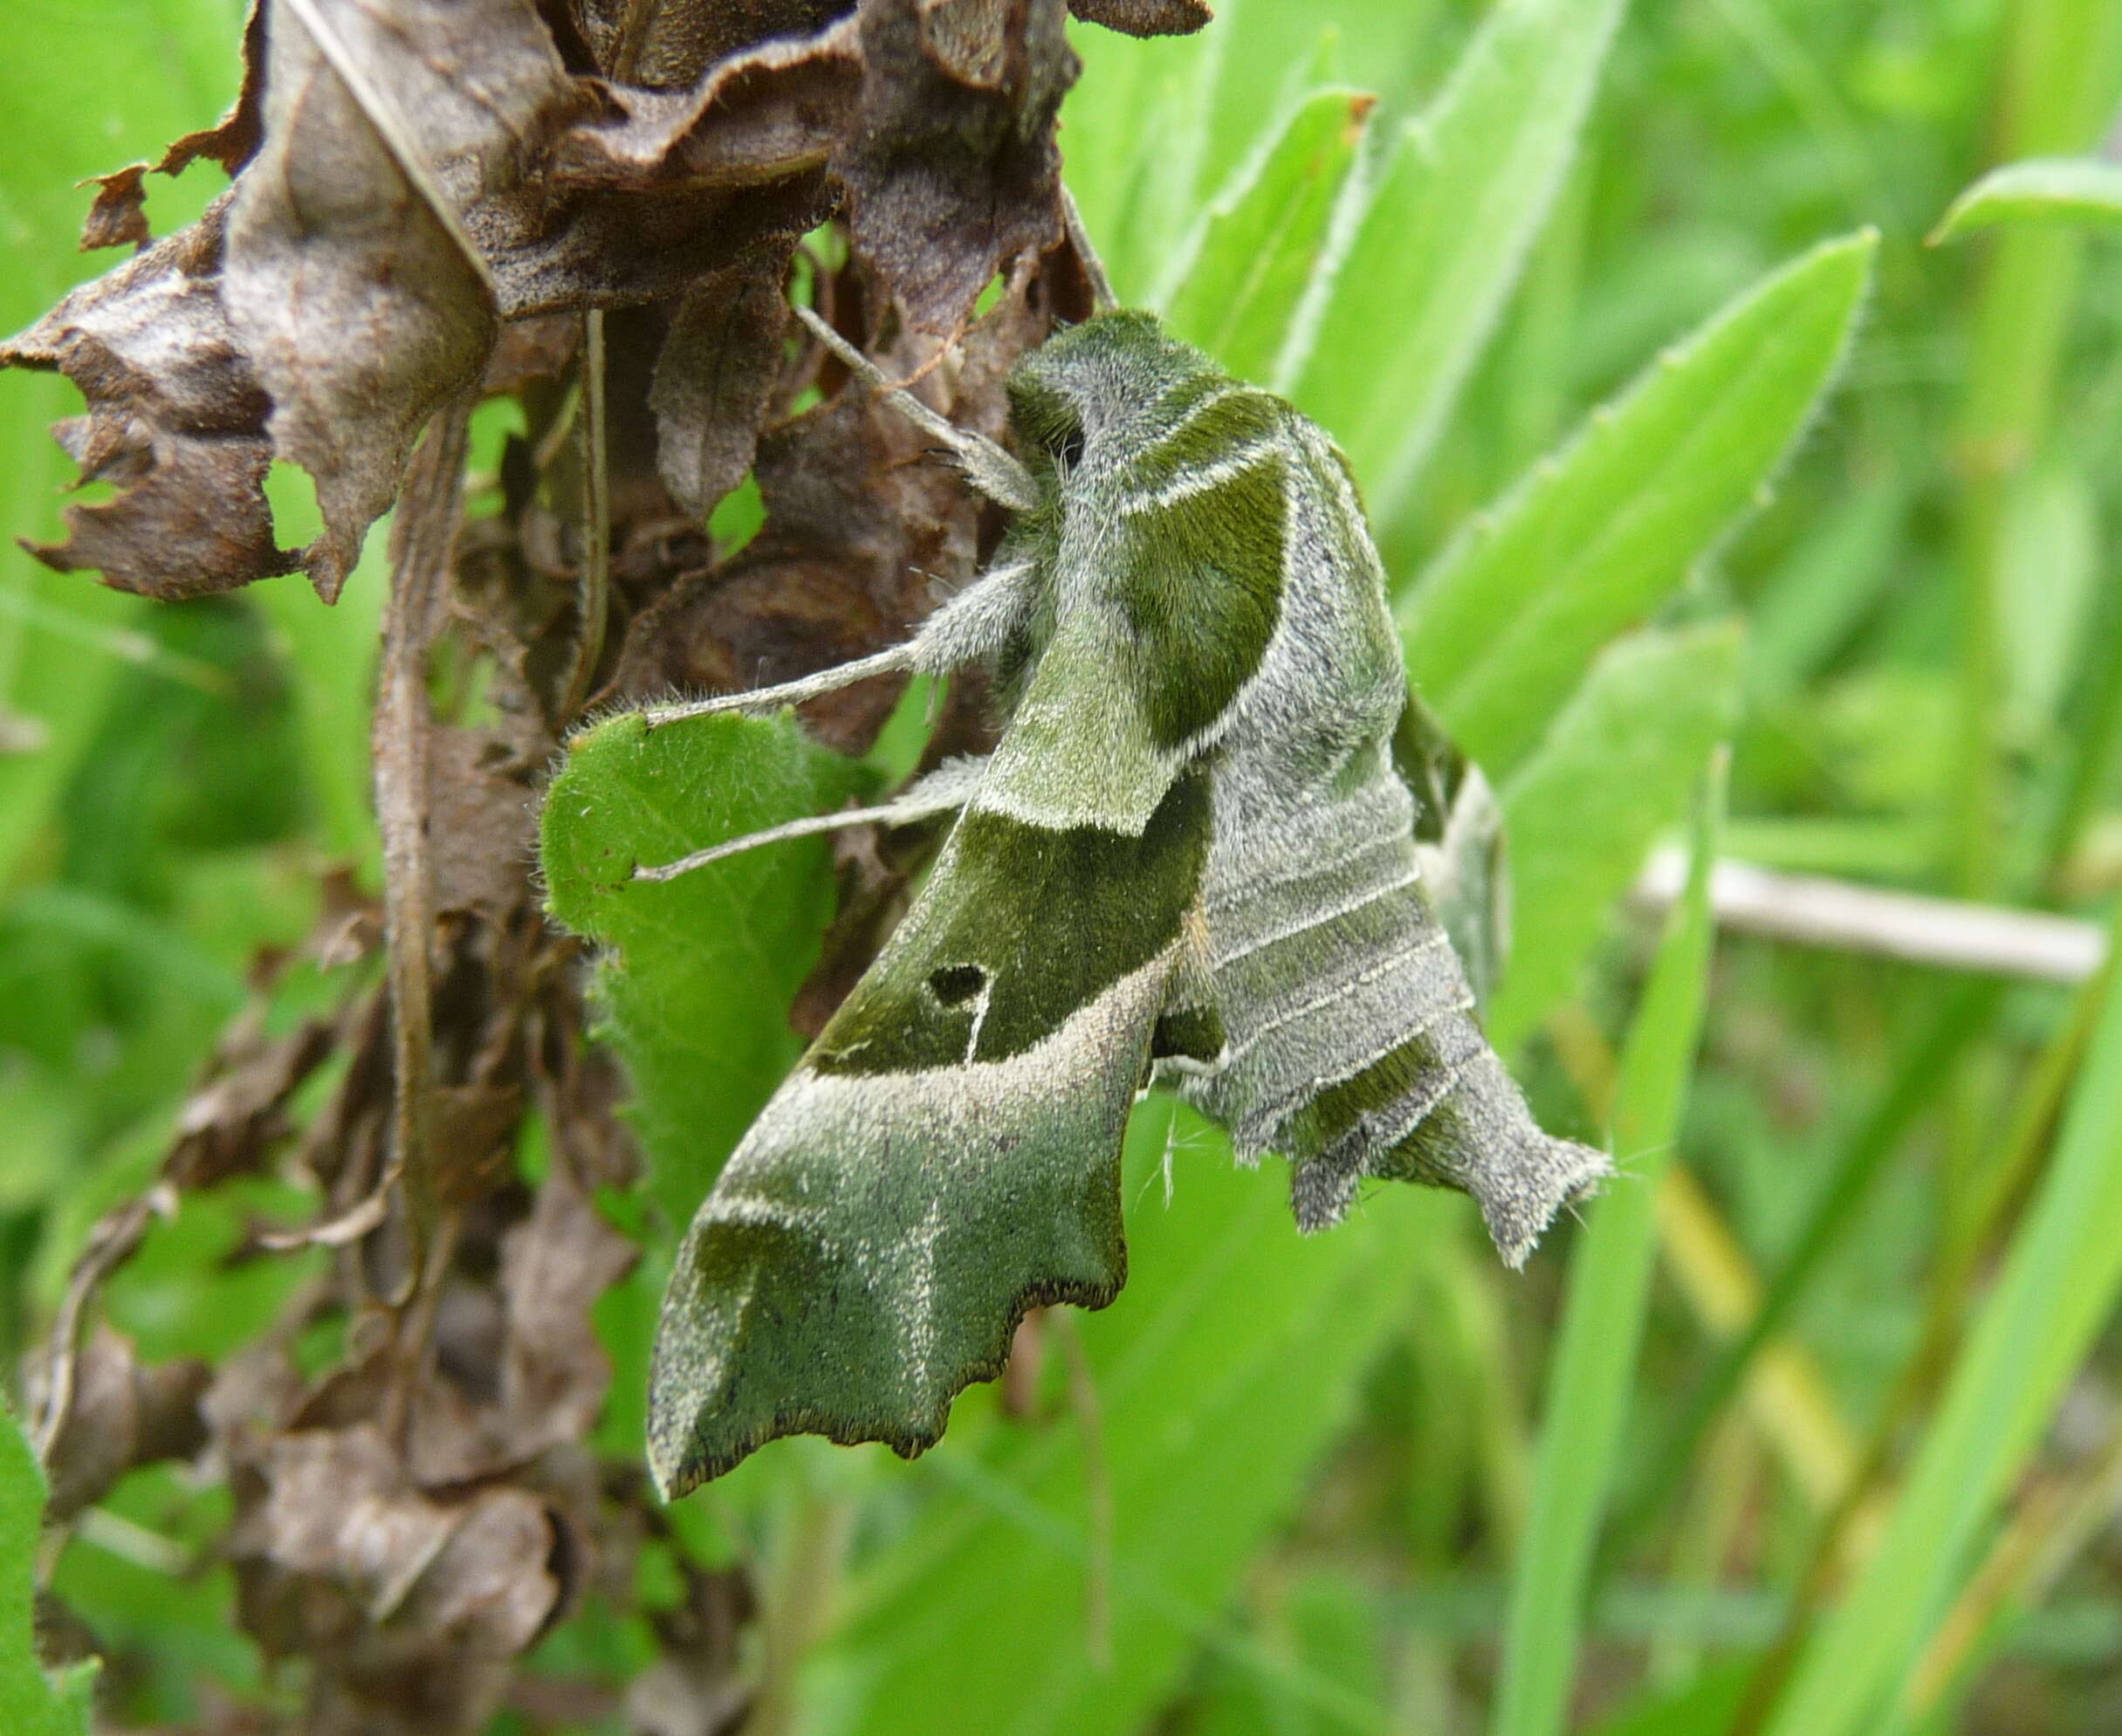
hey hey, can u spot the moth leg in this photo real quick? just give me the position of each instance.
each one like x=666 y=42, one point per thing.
x=971 y=625
x=890 y=661
x=987 y=467
x=944 y=791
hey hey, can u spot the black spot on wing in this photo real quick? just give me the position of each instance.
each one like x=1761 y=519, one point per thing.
x=1054 y=916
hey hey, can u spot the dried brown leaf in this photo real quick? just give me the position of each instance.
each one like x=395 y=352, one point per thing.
x=481 y=820
x=554 y=1266
x=231 y=1123
x=124 y=1413
x=233 y=140
x=350 y=277
x=1144 y=17
x=663 y=46
x=953 y=171
x=175 y=421
x=119 y=216
x=662 y=187
x=712 y=379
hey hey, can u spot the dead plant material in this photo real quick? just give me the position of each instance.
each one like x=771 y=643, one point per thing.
x=597 y=208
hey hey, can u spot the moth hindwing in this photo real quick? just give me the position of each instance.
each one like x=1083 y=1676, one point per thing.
x=1191 y=857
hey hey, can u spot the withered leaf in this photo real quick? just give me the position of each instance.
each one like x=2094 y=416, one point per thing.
x=232 y=140
x=482 y=832
x=1144 y=17
x=350 y=277
x=176 y=420
x=124 y=1412
x=491 y=1589
x=663 y=46
x=337 y=1509
x=662 y=187
x=119 y=216
x=856 y=522
x=554 y=1266
x=713 y=379
x=229 y=1125
x=952 y=171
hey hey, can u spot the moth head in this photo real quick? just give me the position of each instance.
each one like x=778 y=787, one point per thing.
x=1099 y=388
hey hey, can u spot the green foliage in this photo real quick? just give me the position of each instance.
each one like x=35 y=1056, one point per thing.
x=1613 y=773
x=1442 y=234
x=697 y=972
x=1258 y=248
x=1018 y=1572
x=1300 y=1487
x=2058 y=1287
x=2045 y=189
x=1502 y=626
x=1594 y=1361
x=31 y=1703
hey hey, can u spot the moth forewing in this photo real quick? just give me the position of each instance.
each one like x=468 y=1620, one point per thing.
x=946 y=1156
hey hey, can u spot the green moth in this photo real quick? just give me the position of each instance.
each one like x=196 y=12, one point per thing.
x=1194 y=856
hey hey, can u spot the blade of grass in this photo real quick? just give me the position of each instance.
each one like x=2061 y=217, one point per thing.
x=2083 y=191
x=1582 y=813
x=2060 y=1280
x=1501 y=626
x=1438 y=243
x=1965 y=1014
x=1588 y=1383
x=1238 y=282
x=2054 y=97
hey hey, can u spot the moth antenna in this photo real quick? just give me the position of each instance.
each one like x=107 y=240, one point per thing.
x=987 y=467
x=1094 y=268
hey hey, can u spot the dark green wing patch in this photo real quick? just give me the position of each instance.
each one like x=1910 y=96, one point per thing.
x=1018 y=928
x=1201 y=590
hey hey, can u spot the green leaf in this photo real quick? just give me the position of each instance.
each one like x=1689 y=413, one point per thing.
x=1594 y=1366
x=1219 y=1375
x=2083 y=191
x=2047 y=573
x=1614 y=773
x=1439 y=243
x=2060 y=1279
x=1261 y=243
x=31 y=1703
x=699 y=971
x=1502 y=626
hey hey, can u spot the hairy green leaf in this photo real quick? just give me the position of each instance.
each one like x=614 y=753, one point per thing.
x=31 y=1703
x=1613 y=773
x=699 y=971
x=2085 y=191
x=1443 y=236
x=1500 y=629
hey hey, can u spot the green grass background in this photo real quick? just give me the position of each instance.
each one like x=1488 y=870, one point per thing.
x=1679 y=439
